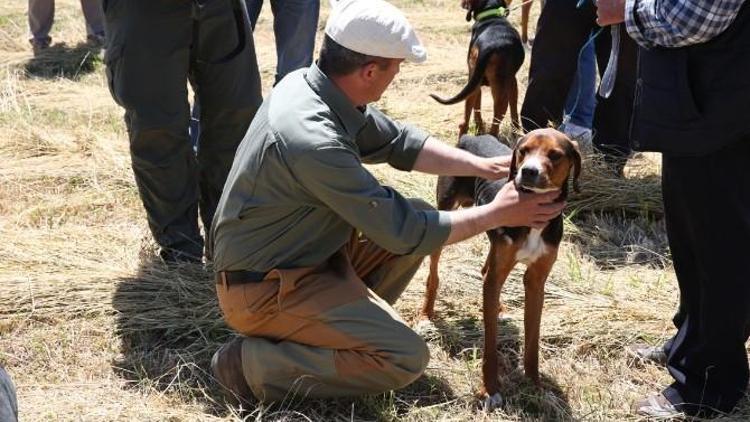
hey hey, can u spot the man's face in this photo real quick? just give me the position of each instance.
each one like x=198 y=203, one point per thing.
x=380 y=77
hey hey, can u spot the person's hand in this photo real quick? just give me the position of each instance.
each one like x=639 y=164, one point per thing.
x=493 y=168
x=520 y=209
x=610 y=12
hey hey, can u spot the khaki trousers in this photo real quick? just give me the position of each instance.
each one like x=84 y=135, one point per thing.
x=327 y=331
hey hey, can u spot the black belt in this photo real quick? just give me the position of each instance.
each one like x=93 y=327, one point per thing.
x=231 y=278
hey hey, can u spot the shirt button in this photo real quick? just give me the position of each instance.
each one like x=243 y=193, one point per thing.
x=373 y=204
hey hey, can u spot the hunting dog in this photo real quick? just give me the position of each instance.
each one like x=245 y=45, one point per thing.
x=495 y=55
x=542 y=161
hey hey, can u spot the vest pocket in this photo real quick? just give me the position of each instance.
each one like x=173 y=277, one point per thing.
x=664 y=95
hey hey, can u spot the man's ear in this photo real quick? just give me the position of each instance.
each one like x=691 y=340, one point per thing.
x=367 y=71
x=575 y=155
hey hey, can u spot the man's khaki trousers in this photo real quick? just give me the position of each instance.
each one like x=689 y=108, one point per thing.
x=327 y=331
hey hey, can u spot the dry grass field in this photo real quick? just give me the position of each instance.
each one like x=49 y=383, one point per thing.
x=94 y=328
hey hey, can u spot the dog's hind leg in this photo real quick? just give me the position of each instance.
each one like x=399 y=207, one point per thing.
x=469 y=106
x=433 y=281
x=500 y=100
x=525 y=11
x=533 y=282
x=449 y=192
x=478 y=113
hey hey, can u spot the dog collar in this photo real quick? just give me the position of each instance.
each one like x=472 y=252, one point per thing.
x=498 y=11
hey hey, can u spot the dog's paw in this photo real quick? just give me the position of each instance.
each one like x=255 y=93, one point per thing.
x=493 y=402
x=426 y=329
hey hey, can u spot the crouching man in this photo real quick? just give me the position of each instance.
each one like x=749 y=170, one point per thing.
x=310 y=250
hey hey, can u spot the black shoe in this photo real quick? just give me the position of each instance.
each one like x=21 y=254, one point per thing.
x=651 y=354
x=226 y=366
x=39 y=45
x=176 y=256
x=96 y=40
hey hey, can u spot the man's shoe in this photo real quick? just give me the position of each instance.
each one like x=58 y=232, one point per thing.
x=40 y=44
x=226 y=366
x=656 y=406
x=646 y=353
x=176 y=257
x=96 y=40
x=583 y=135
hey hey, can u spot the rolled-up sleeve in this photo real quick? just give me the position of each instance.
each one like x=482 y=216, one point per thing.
x=335 y=176
x=383 y=140
x=678 y=23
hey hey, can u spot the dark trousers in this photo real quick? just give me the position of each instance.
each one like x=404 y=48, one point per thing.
x=154 y=48
x=294 y=25
x=707 y=205
x=562 y=31
x=8 y=402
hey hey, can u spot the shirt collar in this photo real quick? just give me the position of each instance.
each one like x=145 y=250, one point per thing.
x=351 y=117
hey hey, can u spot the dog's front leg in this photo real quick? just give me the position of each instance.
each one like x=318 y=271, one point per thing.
x=533 y=281
x=499 y=265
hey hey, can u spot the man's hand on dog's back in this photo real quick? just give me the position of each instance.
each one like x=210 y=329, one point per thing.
x=494 y=168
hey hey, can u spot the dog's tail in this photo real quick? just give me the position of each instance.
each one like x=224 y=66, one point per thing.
x=474 y=81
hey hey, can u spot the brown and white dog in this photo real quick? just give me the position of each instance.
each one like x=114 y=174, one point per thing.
x=543 y=161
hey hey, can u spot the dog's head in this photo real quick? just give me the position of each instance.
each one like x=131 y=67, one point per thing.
x=475 y=6
x=543 y=160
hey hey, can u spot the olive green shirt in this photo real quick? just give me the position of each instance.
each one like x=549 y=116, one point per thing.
x=297 y=186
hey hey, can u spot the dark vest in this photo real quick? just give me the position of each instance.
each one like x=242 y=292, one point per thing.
x=694 y=100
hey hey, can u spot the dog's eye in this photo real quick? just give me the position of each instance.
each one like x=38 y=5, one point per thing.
x=554 y=155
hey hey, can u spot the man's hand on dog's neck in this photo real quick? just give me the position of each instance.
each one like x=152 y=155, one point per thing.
x=510 y=208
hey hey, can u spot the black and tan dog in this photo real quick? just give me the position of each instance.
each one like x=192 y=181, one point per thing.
x=495 y=55
x=542 y=161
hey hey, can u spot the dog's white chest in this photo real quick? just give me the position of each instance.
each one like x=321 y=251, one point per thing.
x=532 y=248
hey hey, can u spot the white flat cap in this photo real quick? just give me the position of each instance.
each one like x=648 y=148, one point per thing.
x=375 y=28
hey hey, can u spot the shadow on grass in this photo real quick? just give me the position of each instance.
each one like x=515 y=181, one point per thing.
x=463 y=338
x=617 y=239
x=63 y=61
x=170 y=325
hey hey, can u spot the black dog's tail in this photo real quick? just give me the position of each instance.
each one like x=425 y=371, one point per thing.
x=474 y=80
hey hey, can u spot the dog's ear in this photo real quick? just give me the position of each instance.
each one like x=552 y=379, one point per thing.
x=575 y=155
x=513 y=157
x=468 y=15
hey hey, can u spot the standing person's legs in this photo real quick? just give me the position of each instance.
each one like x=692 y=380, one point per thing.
x=41 y=16
x=92 y=13
x=8 y=401
x=707 y=356
x=227 y=83
x=581 y=101
x=613 y=114
x=561 y=31
x=295 y=23
x=147 y=66
x=253 y=11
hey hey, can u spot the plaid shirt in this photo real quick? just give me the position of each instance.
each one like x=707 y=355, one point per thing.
x=678 y=23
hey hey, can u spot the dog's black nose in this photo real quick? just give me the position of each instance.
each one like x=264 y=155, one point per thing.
x=529 y=173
